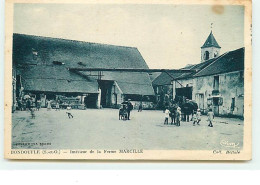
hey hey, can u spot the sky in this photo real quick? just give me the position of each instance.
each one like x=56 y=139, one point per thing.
x=167 y=36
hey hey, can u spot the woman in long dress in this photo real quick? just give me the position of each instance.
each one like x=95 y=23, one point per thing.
x=49 y=105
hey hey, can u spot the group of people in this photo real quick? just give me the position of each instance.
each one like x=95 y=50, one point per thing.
x=49 y=107
x=176 y=112
x=176 y=117
x=27 y=104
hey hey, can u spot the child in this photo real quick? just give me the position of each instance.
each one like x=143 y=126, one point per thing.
x=68 y=112
x=48 y=105
x=140 y=107
x=178 y=117
x=210 y=117
x=167 y=114
x=57 y=106
x=196 y=117
x=32 y=113
x=38 y=105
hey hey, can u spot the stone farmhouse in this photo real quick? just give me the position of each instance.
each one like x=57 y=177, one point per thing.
x=217 y=83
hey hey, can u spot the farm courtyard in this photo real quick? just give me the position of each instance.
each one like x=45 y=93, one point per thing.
x=101 y=129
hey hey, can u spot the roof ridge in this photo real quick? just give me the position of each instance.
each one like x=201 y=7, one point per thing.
x=132 y=47
x=212 y=62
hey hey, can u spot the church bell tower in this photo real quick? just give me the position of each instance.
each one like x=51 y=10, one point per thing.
x=210 y=48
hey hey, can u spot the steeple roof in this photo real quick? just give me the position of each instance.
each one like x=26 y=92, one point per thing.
x=210 y=42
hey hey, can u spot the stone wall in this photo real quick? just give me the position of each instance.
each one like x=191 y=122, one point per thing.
x=211 y=50
x=116 y=96
x=231 y=91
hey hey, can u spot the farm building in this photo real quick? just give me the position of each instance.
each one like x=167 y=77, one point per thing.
x=41 y=66
x=217 y=83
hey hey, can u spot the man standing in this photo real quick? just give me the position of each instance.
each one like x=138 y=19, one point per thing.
x=129 y=108
x=187 y=110
x=173 y=111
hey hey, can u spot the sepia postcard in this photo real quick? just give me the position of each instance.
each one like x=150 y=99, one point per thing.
x=128 y=80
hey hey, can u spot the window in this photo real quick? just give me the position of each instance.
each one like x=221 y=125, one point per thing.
x=215 y=54
x=215 y=101
x=206 y=55
x=216 y=83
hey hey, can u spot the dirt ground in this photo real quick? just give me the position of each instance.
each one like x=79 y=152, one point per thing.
x=101 y=129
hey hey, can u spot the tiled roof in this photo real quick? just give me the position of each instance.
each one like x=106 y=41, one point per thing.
x=55 y=79
x=154 y=75
x=227 y=62
x=165 y=79
x=196 y=67
x=130 y=82
x=76 y=54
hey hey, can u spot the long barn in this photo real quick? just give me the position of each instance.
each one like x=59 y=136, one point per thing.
x=41 y=67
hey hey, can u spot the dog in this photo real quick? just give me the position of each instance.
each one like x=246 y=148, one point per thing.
x=69 y=115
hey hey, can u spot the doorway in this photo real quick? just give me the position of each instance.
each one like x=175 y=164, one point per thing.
x=184 y=92
x=90 y=100
x=216 y=105
x=199 y=98
x=106 y=92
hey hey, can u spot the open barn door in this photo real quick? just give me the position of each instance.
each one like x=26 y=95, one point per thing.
x=106 y=92
x=184 y=92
